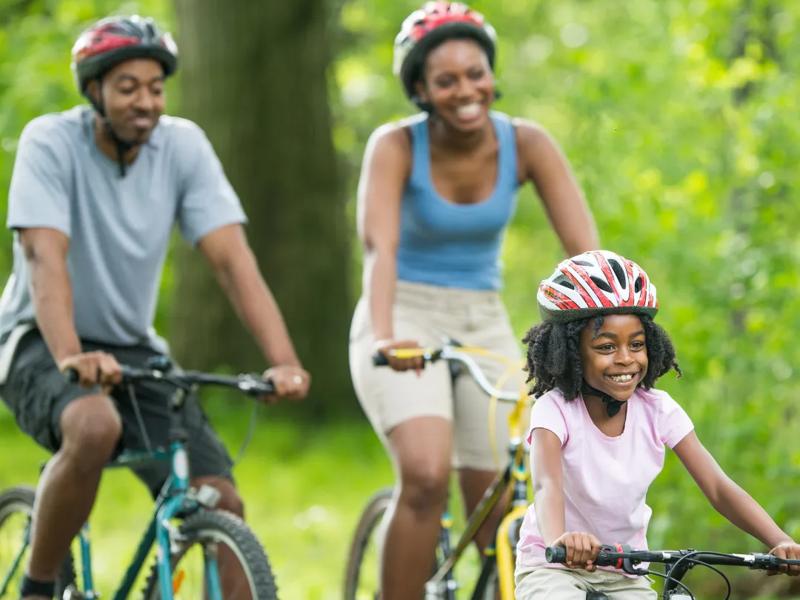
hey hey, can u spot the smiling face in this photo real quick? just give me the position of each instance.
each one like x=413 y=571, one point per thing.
x=614 y=357
x=458 y=82
x=133 y=98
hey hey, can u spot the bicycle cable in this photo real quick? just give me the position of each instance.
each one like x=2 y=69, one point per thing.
x=677 y=582
x=248 y=437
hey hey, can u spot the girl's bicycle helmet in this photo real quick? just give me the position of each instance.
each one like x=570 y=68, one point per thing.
x=427 y=27
x=596 y=283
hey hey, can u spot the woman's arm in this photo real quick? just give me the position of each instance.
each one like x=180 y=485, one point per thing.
x=384 y=172
x=542 y=162
x=732 y=501
x=581 y=547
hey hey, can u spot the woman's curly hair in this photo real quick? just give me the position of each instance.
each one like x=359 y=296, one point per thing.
x=554 y=358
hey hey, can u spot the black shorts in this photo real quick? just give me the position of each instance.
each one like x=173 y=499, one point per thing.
x=37 y=393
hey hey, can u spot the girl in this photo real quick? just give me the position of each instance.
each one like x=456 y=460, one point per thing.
x=599 y=428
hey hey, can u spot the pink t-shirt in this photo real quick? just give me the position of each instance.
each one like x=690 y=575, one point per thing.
x=605 y=478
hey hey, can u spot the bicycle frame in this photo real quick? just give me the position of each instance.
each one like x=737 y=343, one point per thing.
x=514 y=479
x=173 y=499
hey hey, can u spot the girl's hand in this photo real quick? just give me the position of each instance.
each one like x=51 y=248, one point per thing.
x=386 y=347
x=788 y=549
x=582 y=548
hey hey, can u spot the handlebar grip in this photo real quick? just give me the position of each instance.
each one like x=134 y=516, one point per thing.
x=71 y=375
x=555 y=554
x=379 y=360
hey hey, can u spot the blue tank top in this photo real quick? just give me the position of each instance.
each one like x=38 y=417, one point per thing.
x=455 y=245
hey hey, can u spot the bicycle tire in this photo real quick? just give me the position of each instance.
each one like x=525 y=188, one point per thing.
x=370 y=518
x=16 y=506
x=216 y=526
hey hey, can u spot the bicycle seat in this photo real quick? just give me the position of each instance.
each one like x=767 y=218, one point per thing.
x=596 y=596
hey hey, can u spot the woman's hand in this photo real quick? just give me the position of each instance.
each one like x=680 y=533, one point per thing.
x=387 y=346
x=582 y=549
x=788 y=549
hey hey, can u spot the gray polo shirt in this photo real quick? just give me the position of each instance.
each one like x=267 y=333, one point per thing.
x=118 y=227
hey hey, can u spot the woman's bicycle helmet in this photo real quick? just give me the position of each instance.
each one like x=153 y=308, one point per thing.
x=427 y=27
x=596 y=283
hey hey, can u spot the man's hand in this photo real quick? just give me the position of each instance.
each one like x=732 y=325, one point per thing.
x=290 y=382
x=93 y=368
x=788 y=549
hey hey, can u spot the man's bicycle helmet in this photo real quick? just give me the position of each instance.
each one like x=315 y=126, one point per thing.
x=596 y=283
x=116 y=39
x=427 y=27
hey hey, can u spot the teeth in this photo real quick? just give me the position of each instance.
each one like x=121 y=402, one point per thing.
x=469 y=110
x=621 y=378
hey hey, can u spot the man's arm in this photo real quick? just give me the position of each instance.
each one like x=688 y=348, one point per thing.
x=235 y=267
x=46 y=255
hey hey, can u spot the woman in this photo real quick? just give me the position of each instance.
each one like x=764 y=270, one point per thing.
x=436 y=193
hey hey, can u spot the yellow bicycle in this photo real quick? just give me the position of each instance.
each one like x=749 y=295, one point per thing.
x=496 y=578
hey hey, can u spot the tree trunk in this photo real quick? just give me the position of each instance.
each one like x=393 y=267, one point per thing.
x=253 y=75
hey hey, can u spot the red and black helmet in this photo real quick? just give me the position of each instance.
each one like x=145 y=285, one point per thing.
x=596 y=283
x=427 y=27
x=116 y=39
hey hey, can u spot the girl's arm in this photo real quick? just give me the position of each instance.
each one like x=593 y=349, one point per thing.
x=581 y=547
x=542 y=162
x=732 y=501
x=384 y=172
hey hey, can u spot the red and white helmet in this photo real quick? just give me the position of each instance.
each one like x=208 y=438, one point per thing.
x=596 y=283
x=116 y=39
x=428 y=26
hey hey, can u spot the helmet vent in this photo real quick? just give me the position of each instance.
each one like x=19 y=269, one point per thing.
x=637 y=286
x=603 y=285
x=584 y=263
x=565 y=282
x=619 y=272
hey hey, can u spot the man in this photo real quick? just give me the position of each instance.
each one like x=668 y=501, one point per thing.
x=94 y=196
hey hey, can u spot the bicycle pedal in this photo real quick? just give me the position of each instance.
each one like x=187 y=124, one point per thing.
x=207 y=496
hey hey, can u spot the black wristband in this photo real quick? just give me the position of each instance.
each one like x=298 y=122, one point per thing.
x=33 y=587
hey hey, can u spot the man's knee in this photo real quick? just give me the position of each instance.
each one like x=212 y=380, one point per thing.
x=229 y=499
x=91 y=428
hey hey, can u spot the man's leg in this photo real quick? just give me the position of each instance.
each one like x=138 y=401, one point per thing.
x=90 y=430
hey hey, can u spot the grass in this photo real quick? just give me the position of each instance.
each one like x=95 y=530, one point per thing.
x=303 y=484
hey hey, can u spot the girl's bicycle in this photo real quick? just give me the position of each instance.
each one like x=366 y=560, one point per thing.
x=676 y=564
x=190 y=536
x=496 y=578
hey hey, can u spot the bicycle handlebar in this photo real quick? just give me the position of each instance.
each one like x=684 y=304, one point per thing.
x=623 y=557
x=247 y=383
x=450 y=352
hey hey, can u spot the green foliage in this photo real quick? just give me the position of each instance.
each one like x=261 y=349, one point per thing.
x=679 y=118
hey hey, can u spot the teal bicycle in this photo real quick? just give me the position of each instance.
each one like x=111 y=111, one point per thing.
x=191 y=537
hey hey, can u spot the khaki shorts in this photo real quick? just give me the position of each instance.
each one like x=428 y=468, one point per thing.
x=428 y=314
x=547 y=583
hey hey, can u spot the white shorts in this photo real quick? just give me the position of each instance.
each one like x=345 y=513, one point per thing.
x=428 y=313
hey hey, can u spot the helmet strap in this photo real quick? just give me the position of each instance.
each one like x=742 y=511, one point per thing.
x=613 y=405
x=122 y=146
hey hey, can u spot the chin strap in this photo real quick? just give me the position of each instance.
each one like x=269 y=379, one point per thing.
x=122 y=146
x=613 y=405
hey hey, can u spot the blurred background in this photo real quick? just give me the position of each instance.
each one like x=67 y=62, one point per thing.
x=680 y=119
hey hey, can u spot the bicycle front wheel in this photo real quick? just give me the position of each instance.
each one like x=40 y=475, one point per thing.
x=362 y=577
x=216 y=556
x=16 y=506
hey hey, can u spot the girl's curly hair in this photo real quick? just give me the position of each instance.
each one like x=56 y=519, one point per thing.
x=554 y=358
